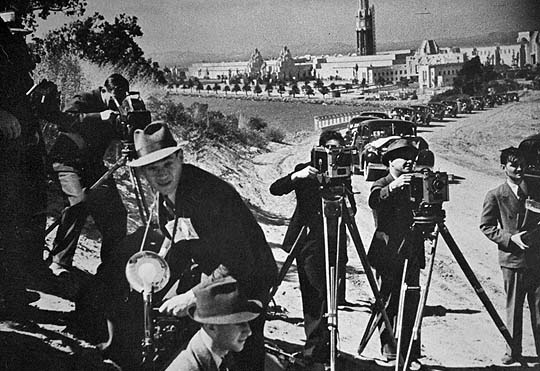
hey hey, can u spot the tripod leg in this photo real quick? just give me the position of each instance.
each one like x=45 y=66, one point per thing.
x=374 y=321
x=423 y=297
x=288 y=262
x=401 y=307
x=462 y=262
x=139 y=195
x=355 y=235
x=121 y=162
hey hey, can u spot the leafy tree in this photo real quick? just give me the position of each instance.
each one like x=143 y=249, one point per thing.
x=294 y=90
x=257 y=89
x=101 y=42
x=216 y=87
x=268 y=88
x=29 y=9
x=246 y=87
x=470 y=78
x=333 y=86
x=381 y=81
x=226 y=89
x=281 y=89
x=309 y=91
x=236 y=88
x=208 y=88
x=348 y=87
x=364 y=84
x=324 y=90
x=199 y=86
x=318 y=84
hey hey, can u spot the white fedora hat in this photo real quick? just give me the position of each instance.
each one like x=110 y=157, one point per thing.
x=154 y=143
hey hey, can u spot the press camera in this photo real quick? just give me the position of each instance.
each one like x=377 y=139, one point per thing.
x=334 y=162
x=132 y=115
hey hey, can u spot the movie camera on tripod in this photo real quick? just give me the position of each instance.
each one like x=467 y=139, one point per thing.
x=133 y=115
x=334 y=162
x=427 y=191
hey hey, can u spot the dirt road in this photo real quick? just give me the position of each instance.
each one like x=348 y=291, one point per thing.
x=457 y=331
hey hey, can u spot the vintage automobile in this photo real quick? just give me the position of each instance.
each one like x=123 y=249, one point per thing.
x=437 y=110
x=479 y=103
x=490 y=100
x=512 y=96
x=531 y=147
x=351 y=132
x=465 y=105
x=452 y=108
x=379 y=114
x=372 y=140
x=404 y=113
x=423 y=114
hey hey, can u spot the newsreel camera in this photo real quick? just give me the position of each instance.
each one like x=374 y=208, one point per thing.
x=334 y=164
x=427 y=191
x=133 y=115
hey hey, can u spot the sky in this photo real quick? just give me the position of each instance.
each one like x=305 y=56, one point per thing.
x=217 y=26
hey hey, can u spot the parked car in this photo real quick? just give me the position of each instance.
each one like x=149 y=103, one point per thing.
x=465 y=105
x=352 y=129
x=423 y=114
x=379 y=114
x=479 y=103
x=490 y=100
x=437 y=110
x=512 y=96
x=452 y=108
x=404 y=113
x=372 y=140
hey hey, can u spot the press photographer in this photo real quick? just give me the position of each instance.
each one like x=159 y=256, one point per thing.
x=390 y=199
x=310 y=181
x=77 y=158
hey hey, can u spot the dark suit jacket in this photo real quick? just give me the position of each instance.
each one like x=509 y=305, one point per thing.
x=85 y=121
x=393 y=219
x=308 y=211
x=196 y=357
x=502 y=216
x=228 y=232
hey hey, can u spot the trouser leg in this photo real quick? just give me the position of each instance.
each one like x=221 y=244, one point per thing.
x=106 y=208
x=533 y=296
x=73 y=217
x=311 y=274
x=515 y=296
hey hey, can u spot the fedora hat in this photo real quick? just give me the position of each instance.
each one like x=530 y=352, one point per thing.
x=219 y=302
x=397 y=148
x=154 y=143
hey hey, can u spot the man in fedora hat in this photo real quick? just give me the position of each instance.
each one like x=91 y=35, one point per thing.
x=206 y=220
x=393 y=214
x=224 y=316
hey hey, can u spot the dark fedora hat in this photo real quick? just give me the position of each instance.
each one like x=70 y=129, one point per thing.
x=397 y=149
x=154 y=143
x=219 y=302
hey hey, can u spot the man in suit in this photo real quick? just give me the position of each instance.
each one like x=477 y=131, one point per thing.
x=311 y=258
x=393 y=214
x=506 y=222
x=206 y=221
x=224 y=315
x=77 y=158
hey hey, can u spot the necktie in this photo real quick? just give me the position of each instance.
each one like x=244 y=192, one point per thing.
x=521 y=195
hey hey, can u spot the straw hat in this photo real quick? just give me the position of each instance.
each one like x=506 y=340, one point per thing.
x=154 y=143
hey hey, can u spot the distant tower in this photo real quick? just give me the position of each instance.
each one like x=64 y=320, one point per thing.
x=365 y=28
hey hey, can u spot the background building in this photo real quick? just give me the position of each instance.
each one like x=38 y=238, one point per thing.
x=365 y=28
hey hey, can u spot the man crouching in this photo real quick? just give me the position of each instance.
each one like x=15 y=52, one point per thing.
x=206 y=221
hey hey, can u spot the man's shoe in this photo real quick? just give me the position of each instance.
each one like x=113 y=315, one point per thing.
x=58 y=269
x=510 y=359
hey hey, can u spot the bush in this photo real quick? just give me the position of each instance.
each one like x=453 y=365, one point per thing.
x=256 y=123
x=252 y=138
x=274 y=134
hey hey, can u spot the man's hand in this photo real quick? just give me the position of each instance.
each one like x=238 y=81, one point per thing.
x=516 y=238
x=178 y=305
x=404 y=180
x=10 y=128
x=108 y=114
x=307 y=172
